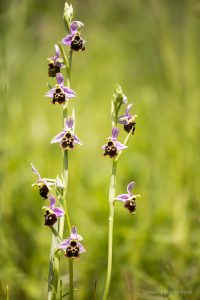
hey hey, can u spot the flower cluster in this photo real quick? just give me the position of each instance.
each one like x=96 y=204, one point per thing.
x=60 y=93
x=113 y=148
x=43 y=185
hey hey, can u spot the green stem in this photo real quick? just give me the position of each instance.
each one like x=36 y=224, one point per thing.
x=7 y=293
x=71 y=280
x=53 y=267
x=68 y=64
x=110 y=233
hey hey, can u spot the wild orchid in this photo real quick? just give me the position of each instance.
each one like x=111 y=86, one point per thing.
x=60 y=93
x=55 y=63
x=73 y=39
x=56 y=214
x=66 y=137
x=129 y=199
x=52 y=212
x=42 y=184
x=113 y=146
x=128 y=120
x=113 y=149
x=72 y=247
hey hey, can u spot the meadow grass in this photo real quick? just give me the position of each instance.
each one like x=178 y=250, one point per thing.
x=151 y=48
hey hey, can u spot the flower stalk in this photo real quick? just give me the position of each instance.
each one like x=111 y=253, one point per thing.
x=110 y=227
x=114 y=149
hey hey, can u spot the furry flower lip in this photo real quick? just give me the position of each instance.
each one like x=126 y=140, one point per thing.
x=74 y=40
x=55 y=63
x=42 y=184
x=113 y=146
x=72 y=247
x=66 y=137
x=60 y=93
x=128 y=120
x=129 y=198
x=52 y=212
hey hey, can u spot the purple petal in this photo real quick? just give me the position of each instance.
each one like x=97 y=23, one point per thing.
x=68 y=92
x=104 y=147
x=58 y=138
x=63 y=245
x=81 y=248
x=75 y=26
x=115 y=133
x=67 y=39
x=60 y=79
x=76 y=140
x=120 y=146
x=57 y=49
x=35 y=171
x=74 y=235
x=124 y=99
x=128 y=109
x=123 y=197
x=122 y=119
x=130 y=186
x=58 y=211
x=69 y=122
x=50 y=93
x=52 y=200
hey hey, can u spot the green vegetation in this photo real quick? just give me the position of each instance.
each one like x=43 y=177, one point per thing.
x=151 y=48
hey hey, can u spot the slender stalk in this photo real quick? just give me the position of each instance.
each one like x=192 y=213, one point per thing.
x=54 y=265
x=66 y=166
x=7 y=293
x=110 y=230
x=71 y=280
x=53 y=268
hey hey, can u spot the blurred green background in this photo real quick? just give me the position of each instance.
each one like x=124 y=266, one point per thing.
x=152 y=49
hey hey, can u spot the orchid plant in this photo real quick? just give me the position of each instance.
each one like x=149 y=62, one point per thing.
x=56 y=216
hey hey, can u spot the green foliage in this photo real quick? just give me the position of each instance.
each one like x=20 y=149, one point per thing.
x=151 y=48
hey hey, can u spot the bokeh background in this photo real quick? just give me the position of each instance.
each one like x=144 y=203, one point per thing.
x=152 y=49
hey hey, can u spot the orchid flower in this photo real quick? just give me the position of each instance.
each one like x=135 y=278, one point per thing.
x=128 y=120
x=60 y=93
x=113 y=146
x=129 y=198
x=55 y=63
x=66 y=137
x=72 y=247
x=42 y=184
x=73 y=39
x=52 y=212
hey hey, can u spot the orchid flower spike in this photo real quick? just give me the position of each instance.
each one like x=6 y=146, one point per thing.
x=42 y=184
x=52 y=212
x=113 y=146
x=66 y=137
x=55 y=63
x=129 y=198
x=60 y=93
x=128 y=120
x=73 y=39
x=72 y=247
